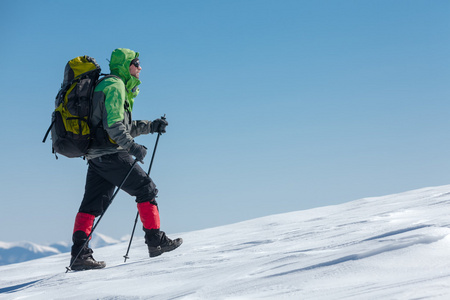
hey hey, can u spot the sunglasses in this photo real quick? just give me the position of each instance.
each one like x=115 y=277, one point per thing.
x=135 y=62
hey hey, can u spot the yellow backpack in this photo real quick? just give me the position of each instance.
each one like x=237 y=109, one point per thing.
x=70 y=126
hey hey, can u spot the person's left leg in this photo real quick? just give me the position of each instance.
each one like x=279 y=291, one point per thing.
x=97 y=193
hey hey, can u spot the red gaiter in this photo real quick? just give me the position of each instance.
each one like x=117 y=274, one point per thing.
x=149 y=215
x=84 y=222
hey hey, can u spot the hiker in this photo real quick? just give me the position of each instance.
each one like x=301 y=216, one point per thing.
x=110 y=158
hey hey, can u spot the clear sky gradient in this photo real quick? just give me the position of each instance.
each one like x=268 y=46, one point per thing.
x=273 y=105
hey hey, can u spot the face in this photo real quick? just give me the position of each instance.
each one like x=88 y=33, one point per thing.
x=134 y=71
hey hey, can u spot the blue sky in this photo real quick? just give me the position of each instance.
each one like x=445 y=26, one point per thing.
x=274 y=106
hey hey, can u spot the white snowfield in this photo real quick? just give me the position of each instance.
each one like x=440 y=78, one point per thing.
x=392 y=247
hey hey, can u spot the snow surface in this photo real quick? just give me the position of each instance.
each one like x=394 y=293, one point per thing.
x=392 y=247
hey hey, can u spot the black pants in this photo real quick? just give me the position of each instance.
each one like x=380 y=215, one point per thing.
x=107 y=172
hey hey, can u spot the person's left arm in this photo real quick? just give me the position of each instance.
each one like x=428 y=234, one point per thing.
x=146 y=127
x=140 y=127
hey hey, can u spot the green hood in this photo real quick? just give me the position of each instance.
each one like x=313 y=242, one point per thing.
x=119 y=65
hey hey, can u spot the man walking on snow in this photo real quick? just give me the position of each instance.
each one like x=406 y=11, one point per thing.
x=110 y=159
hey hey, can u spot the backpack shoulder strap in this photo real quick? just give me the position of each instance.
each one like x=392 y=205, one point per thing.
x=104 y=76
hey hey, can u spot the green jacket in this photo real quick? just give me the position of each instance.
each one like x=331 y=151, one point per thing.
x=114 y=129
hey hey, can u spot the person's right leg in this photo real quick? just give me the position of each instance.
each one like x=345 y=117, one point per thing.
x=156 y=240
x=140 y=185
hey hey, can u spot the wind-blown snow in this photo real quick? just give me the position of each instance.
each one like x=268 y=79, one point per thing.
x=392 y=247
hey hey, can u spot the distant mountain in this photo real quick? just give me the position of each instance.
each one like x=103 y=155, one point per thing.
x=100 y=240
x=15 y=252
x=62 y=247
x=22 y=251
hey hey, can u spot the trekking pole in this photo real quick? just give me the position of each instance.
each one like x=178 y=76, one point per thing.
x=148 y=174
x=69 y=268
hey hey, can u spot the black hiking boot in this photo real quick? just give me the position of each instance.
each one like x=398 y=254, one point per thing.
x=158 y=243
x=85 y=260
x=86 y=263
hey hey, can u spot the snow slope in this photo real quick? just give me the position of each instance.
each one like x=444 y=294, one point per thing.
x=392 y=247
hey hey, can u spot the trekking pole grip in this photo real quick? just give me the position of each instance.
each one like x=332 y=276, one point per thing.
x=154 y=149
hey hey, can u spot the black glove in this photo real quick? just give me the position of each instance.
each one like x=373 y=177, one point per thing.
x=159 y=126
x=138 y=151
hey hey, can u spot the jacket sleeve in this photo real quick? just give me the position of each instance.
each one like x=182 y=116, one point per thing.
x=114 y=115
x=140 y=127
